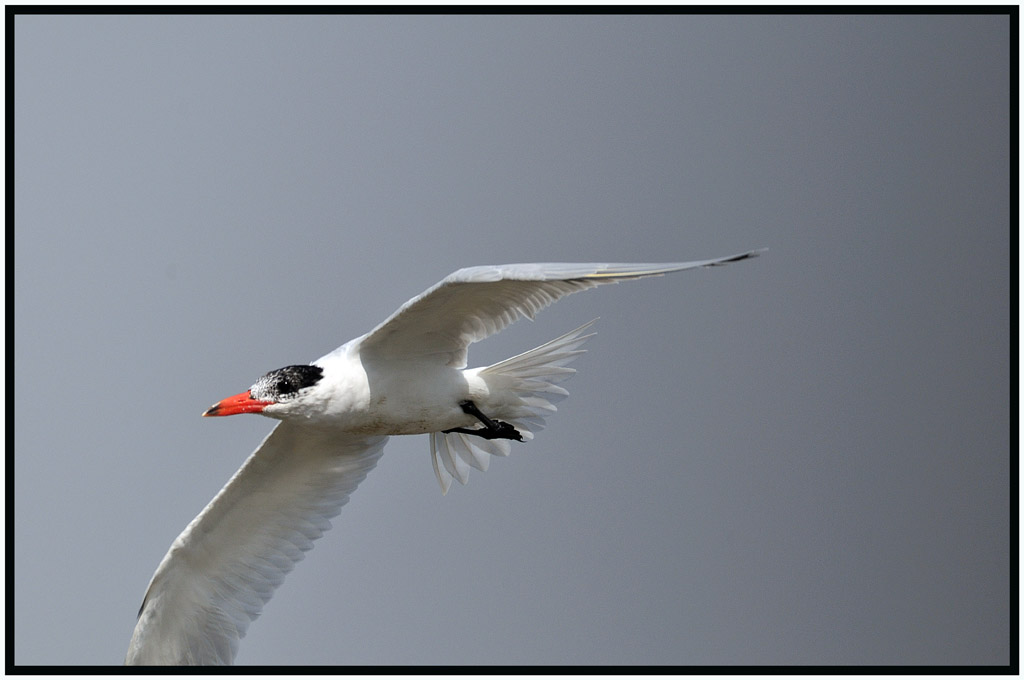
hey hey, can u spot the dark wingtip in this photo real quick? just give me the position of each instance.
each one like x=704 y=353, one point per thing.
x=742 y=256
x=747 y=256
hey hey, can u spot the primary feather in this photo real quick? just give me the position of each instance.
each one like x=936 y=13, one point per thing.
x=226 y=564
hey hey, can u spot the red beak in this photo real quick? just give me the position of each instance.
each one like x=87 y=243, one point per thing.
x=240 y=403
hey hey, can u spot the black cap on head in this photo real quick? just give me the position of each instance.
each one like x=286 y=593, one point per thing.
x=285 y=382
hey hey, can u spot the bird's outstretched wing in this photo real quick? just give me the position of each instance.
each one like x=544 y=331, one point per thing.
x=473 y=303
x=226 y=564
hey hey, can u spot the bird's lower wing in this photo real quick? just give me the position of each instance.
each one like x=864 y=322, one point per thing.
x=225 y=566
x=473 y=303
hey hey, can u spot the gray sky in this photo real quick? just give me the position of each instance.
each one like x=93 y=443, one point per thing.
x=800 y=459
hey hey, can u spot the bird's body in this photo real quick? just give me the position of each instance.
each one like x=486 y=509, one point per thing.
x=400 y=396
x=407 y=376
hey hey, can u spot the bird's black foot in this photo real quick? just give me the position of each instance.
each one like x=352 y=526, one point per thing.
x=503 y=431
x=492 y=429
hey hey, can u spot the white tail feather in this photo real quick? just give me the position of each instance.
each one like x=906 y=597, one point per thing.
x=531 y=379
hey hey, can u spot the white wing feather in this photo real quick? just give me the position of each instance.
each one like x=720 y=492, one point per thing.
x=473 y=303
x=226 y=564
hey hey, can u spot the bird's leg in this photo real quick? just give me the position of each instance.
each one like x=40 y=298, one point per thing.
x=492 y=429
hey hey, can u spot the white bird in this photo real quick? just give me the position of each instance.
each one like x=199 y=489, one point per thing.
x=406 y=376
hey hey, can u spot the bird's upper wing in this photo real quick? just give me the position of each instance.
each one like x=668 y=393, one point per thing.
x=473 y=303
x=225 y=565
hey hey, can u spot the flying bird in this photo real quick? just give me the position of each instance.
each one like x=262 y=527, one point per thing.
x=406 y=376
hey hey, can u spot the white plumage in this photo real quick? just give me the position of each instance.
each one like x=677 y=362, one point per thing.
x=406 y=376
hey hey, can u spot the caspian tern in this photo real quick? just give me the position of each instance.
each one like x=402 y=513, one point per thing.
x=406 y=376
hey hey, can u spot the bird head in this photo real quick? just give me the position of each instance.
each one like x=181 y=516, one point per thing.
x=271 y=394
